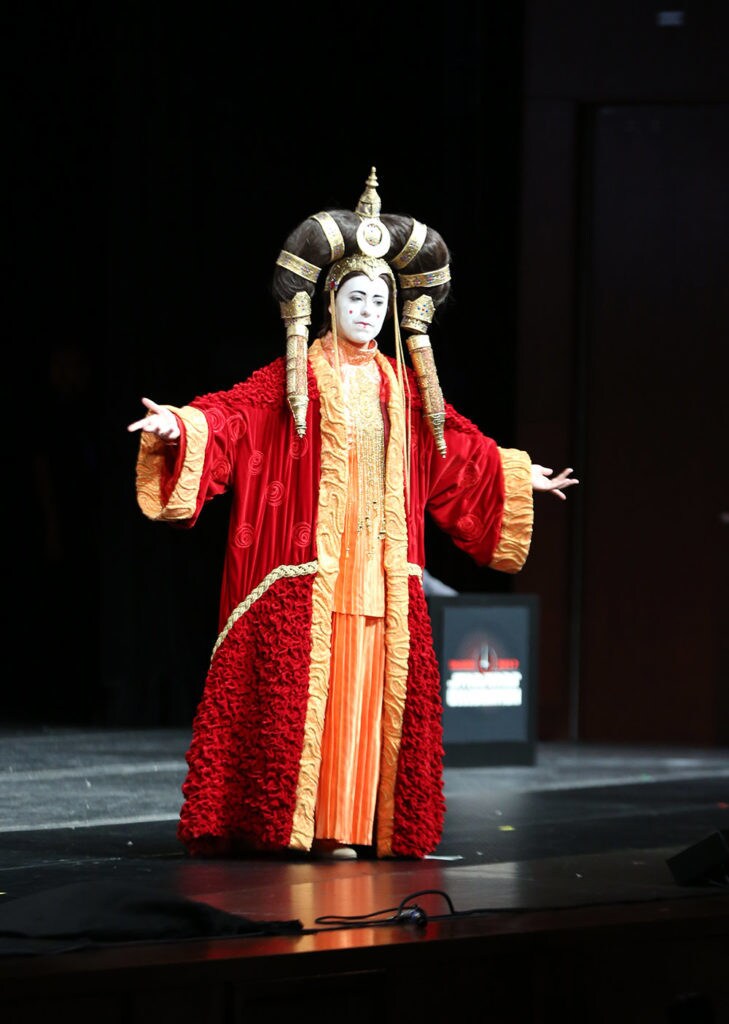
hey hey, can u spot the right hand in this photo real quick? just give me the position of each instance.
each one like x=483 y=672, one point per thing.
x=159 y=421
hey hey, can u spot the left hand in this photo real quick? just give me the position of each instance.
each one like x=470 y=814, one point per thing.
x=542 y=480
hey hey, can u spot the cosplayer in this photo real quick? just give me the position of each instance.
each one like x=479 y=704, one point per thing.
x=319 y=728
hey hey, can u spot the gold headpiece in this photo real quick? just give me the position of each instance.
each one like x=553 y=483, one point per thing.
x=427 y=280
x=417 y=314
x=412 y=247
x=368 y=265
x=333 y=234
x=290 y=261
x=373 y=241
x=373 y=238
x=296 y=312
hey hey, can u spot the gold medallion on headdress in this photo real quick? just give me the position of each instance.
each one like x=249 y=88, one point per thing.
x=373 y=238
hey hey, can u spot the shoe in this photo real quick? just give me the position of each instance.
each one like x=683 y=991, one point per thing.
x=328 y=849
x=343 y=853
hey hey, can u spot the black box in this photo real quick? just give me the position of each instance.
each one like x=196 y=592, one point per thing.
x=487 y=649
x=704 y=863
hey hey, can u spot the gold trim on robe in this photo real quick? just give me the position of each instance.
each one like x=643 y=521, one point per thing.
x=151 y=457
x=279 y=573
x=333 y=484
x=397 y=631
x=517 y=523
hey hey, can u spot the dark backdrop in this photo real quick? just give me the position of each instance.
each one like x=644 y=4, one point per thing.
x=159 y=158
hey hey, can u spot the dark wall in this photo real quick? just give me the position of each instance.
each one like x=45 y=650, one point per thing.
x=159 y=159
x=623 y=306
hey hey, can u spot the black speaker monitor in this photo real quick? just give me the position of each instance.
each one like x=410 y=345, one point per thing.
x=704 y=863
x=486 y=646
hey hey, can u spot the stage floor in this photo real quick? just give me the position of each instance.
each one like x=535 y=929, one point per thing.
x=581 y=839
x=584 y=823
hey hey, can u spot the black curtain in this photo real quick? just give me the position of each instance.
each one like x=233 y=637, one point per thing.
x=160 y=157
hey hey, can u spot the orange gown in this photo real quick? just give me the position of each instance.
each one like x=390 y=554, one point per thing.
x=351 y=741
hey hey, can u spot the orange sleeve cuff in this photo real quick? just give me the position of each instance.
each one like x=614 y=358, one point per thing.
x=152 y=462
x=518 y=518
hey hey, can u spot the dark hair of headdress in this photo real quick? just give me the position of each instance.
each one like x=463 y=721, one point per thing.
x=308 y=242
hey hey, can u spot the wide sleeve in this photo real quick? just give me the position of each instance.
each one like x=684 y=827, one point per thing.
x=168 y=476
x=481 y=495
x=217 y=430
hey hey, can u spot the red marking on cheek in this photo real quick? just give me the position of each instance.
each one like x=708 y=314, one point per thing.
x=350 y=312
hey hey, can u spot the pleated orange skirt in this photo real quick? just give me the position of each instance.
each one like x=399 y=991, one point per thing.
x=351 y=742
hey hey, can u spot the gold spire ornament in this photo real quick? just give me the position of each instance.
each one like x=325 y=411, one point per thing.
x=373 y=238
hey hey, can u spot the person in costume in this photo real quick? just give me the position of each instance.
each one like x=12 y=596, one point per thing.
x=319 y=727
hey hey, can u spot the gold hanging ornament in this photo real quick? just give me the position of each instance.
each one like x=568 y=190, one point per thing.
x=296 y=315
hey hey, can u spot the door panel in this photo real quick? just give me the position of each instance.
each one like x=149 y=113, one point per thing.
x=654 y=597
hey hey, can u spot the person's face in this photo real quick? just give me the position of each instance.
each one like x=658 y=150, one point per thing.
x=361 y=307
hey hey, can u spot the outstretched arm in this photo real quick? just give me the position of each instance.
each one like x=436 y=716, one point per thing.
x=542 y=480
x=159 y=421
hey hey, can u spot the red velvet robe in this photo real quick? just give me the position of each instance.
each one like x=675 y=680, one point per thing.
x=253 y=757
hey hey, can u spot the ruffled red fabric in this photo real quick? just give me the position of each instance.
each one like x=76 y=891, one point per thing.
x=248 y=731
x=419 y=798
x=266 y=387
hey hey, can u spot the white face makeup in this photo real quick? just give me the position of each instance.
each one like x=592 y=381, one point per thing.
x=361 y=307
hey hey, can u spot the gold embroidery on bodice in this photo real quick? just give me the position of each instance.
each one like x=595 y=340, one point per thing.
x=360 y=588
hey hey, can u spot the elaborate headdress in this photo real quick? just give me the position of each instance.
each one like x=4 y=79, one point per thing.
x=375 y=244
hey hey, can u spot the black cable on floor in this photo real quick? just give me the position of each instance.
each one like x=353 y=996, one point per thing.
x=405 y=913
x=408 y=912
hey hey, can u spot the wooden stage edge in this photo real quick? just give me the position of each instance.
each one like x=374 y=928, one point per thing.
x=664 y=960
